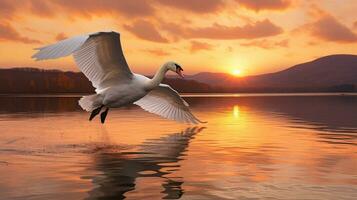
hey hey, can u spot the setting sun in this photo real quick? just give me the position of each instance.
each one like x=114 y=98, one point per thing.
x=237 y=72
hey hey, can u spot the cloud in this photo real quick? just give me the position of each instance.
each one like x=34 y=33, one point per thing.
x=145 y=30
x=132 y=8
x=330 y=29
x=197 y=6
x=157 y=52
x=198 y=46
x=7 y=8
x=258 y=29
x=282 y=43
x=8 y=33
x=326 y=27
x=355 y=24
x=176 y=31
x=266 y=44
x=84 y=8
x=60 y=36
x=40 y=8
x=258 y=5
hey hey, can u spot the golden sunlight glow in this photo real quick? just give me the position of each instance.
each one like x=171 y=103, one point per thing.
x=236 y=111
x=241 y=51
x=237 y=72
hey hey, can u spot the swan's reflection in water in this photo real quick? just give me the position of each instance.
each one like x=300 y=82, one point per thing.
x=153 y=158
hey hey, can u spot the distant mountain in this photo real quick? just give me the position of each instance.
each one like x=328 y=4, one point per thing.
x=211 y=78
x=334 y=73
x=32 y=80
x=328 y=73
x=39 y=81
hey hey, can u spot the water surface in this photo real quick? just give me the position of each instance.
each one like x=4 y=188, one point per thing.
x=253 y=147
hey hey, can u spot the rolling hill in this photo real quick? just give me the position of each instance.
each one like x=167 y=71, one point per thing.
x=326 y=72
x=39 y=81
x=334 y=73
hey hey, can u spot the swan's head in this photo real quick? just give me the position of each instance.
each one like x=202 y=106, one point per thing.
x=172 y=66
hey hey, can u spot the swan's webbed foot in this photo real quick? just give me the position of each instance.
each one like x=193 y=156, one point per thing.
x=103 y=115
x=95 y=112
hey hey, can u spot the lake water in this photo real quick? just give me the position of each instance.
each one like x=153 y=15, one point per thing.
x=253 y=147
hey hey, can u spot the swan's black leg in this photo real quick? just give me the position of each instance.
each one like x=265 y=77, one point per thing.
x=103 y=115
x=95 y=112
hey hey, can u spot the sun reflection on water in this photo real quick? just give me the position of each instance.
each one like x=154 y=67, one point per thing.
x=236 y=111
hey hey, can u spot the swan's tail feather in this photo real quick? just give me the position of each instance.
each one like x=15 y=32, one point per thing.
x=90 y=102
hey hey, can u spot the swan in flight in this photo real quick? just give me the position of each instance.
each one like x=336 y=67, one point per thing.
x=100 y=57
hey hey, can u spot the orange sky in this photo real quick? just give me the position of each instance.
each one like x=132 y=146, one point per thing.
x=252 y=36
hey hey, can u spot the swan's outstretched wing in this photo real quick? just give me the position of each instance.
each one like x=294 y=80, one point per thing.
x=99 y=56
x=166 y=102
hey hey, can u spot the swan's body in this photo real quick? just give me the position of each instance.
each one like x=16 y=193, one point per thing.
x=122 y=94
x=100 y=57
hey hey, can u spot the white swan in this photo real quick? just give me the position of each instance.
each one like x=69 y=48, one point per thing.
x=100 y=57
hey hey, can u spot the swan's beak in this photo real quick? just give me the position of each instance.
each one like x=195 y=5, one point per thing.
x=179 y=72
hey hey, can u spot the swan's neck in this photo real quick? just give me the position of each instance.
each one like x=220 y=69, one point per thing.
x=159 y=76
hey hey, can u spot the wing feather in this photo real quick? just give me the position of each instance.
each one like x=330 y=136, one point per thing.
x=61 y=49
x=166 y=111
x=98 y=55
x=166 y=102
